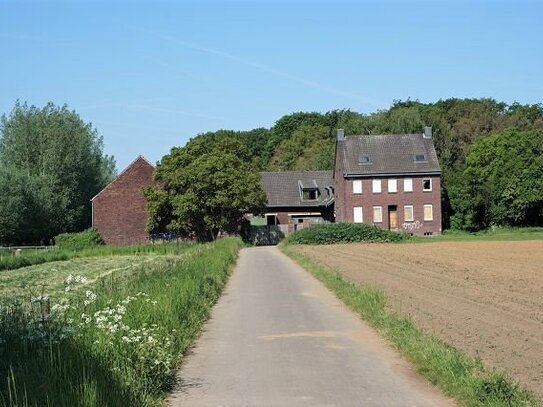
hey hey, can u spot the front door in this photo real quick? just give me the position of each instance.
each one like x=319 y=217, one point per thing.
x=393 y=218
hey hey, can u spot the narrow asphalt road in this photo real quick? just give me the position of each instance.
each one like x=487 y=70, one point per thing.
x=278 y=337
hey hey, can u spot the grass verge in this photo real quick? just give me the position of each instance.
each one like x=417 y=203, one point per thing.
x=118 y=345
x=8 y=261
x=459 y=376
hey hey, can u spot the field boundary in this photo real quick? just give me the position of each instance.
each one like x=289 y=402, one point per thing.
x=458 y=375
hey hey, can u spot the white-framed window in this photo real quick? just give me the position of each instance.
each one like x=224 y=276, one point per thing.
x=357 y=186
x=428 y=212
x=427 y=184
x=408 y=213
x=408 y=185
x=376 y=186
x=357 y=214
x=377 y=214
x=392 y=186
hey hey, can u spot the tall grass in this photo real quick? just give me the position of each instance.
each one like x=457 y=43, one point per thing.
x=115 y=357
x=460 y=376
x=10 y=261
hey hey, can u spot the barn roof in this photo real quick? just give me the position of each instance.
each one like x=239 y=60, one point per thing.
x=287 y=188
x=387 y=155
x=139 y=159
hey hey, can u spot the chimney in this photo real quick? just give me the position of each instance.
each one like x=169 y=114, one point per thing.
x=340 y=134
x=427 y=132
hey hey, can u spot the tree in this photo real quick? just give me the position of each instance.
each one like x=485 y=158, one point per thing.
x=59 y=160
x=504 y=172
x=207 y=188
x=309 y=148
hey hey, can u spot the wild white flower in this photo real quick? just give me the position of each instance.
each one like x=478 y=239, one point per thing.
x=69 y=279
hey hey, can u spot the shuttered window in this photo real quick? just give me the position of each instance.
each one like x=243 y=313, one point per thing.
x=357 y=186
x=408 y=213
x=408 y=185
x=392 y=185
x=428 y=212
x=376 y=186
x=357 y=214
x=377 y=214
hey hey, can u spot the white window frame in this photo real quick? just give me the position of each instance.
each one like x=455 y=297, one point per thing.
x=392 y=186
x=376 y=186
x=378 y=219
x=427 y=179
x=357 y=186
x=358 y=214
x=408 y=182
x=429 y=218
x=405 y=218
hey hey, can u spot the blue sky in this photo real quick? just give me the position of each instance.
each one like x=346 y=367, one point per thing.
x=151 y=75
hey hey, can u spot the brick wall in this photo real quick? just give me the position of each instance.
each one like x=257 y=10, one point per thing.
x=119 y=209
x=346 y=200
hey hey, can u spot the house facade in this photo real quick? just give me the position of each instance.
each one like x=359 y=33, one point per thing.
x=391 y=181
x=298 y=198
x=118 y=211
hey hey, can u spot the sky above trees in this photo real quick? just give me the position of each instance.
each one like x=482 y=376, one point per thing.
x=150 y=75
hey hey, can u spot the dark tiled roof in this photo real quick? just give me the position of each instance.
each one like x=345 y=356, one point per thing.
x=388 y=154
x=284 y=188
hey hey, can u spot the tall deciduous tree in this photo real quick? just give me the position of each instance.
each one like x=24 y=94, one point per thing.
x=207 y=187
x=504 y=173
x=60 y=161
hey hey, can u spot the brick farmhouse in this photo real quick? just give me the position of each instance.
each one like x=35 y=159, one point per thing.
x=118 y=211
x=391 y=181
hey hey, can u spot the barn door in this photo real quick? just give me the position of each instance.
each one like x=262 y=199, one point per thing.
x=393 y=217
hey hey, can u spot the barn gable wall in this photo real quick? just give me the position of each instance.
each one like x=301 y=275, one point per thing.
x=119 y=212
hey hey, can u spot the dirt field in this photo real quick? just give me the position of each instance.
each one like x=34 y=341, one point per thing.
x=485 y=298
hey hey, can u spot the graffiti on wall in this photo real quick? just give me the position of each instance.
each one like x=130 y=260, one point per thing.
x=410 y=226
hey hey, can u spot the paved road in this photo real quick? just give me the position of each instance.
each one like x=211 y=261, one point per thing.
x=278 y=337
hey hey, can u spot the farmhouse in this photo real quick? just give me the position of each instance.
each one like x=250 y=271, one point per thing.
x=392 y=181
x=118 y=211
x=297 y=198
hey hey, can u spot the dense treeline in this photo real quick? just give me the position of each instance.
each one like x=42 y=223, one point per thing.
x=490 y=152
x=51 y=165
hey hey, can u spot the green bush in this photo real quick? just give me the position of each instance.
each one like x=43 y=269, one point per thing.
x=344 y=233
x=80 y=240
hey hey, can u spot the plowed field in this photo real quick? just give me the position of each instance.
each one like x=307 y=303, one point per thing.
x=485 y=298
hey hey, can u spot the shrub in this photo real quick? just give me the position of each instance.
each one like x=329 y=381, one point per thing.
x=344 y=233
x=80 y=240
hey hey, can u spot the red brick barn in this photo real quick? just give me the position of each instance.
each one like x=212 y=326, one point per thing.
x=392 y=181
x=118 y=211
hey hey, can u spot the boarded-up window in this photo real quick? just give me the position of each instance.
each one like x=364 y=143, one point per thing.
x=376 y=186
x=357 y=214
x=428 y=212
x=408 y=213
x=408 y=185
x=357 y=186
x=392 y=185
x=377 y=214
